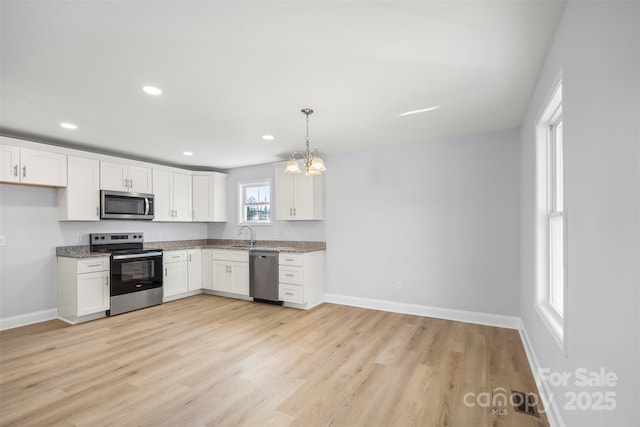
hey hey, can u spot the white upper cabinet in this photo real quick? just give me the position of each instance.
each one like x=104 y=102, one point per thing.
x=172 y=196
x=9 y=163
x=123 y=177
x=35 y=167
x=80 y=200
x=298 y=197
x=209 y=196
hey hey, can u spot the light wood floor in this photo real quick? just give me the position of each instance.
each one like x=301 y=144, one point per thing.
x=208 y=360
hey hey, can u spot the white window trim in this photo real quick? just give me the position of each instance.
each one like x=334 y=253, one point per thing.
x=240 y=204
x=551 y=318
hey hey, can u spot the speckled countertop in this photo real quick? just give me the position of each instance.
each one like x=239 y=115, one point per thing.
x=82 y=251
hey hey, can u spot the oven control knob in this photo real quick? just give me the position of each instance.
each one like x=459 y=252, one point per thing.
x=101 y=237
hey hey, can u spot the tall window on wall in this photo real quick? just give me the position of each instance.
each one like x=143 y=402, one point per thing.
x=255 y=202
x=551 y=234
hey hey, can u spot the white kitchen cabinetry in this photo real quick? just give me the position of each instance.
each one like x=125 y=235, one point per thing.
x=298 y=197
x=209 y=196
x=207 y=283
x=176 y=273
x=230 y=271
x=195 y=269
x=123 y=177
x=301 y=279
x=80 y=199
x=172 y=196
x=83 y=288
x=34 y=167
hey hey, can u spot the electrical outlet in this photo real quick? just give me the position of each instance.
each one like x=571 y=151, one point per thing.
x=78 y=238
x=3 y=241
x=398 y=286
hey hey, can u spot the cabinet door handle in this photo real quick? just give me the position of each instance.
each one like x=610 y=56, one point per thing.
x=131 y=183
x=288 y=259
x=230 y=270
x=289 y=275
x=294 y=212
x=94 y=265
x=97 y=210
x=106 y=281
x=289 y=293
x=15 y=170
x=24 y=171
x=125 y=183
x=189 y=257
x=175 y=256
x=165 y=272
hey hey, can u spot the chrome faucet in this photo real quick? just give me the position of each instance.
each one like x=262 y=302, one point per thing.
x=252 y=235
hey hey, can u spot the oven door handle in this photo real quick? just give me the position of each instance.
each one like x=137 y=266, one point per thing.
x=133 y=256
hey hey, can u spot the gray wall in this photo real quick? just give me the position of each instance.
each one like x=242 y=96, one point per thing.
x=597 y=45
x=441 y=217
x=29 y=221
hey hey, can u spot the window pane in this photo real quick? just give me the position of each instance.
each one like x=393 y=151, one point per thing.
x=558 y=169
x=556 y=263
x=255 y=203
x=264 y=194
x=251 y=194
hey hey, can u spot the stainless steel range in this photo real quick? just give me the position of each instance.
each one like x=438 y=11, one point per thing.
x=136 y=272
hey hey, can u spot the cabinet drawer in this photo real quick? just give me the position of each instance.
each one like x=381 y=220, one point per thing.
x=93 y=264
x=291 y=259
x=291 y=274
x=174 y=256
x=291 y=293
x=240 y=256
x=220 y=254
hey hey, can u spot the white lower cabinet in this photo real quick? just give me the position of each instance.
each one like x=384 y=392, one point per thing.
x=207 y=283
x=230 y=271
x=301 y=278
x=195 y=269
x=83 y=288
x=176 y=273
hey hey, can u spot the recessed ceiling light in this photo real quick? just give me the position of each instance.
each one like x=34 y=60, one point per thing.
x=187 y=153
x=67 y=125
x=267 y=137
x=424 y=110
x=152 y=90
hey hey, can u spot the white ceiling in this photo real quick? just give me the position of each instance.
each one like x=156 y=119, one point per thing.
x=232 y=71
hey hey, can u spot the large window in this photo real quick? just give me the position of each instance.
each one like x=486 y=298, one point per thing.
x=551 y=231
x=255 y=202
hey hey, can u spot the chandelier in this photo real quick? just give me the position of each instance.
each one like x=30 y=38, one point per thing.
x=312 y=162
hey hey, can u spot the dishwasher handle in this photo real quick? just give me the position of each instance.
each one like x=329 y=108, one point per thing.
x=263 y=254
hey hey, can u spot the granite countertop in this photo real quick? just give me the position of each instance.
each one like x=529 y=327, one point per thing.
x=82 y=251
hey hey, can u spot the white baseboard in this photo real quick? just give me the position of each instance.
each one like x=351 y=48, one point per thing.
x=552 y=411
x=28 y=319
x=498 y=320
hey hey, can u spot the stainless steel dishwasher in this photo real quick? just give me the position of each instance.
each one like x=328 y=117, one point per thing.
x=263 y=276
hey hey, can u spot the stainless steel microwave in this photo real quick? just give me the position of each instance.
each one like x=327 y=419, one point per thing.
x=122 y=205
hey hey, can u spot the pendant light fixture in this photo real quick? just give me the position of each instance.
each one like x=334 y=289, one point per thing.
x=314 y=165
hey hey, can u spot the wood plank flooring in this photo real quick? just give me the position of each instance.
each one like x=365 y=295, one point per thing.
x=213 y=361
